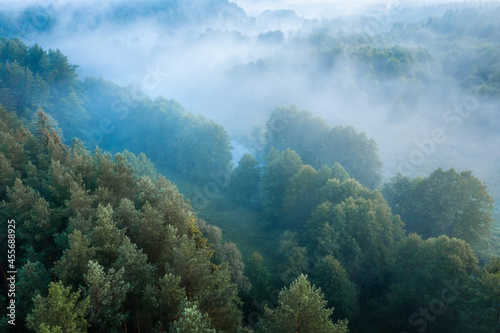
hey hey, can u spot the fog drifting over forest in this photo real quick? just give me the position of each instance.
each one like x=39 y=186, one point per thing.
x=237 y=65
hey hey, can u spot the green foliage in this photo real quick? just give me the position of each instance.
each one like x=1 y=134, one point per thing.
x=21 y=88
x=115 y=176
x=141 y=164
x=295 y=260
x=60 y=311
x=79 y=207
x=340 y=292
x=318 y=144
x=8 y=175
x=151 y=235
x=355 y=152
x=244 y=183
x=13 y=140
x=301 y=308
x=306 y=189
x=259 y=277
x=166 y=199
x=164 y=300
x=135 y=263
x=300 y=196
x=90 y=221
x=74 y=263
x=105 y=237
x=358 y=229
x=31 y=78
x=106 y=292
x=205 y=149
x=33 y=279
x=297 y=130
x=399 y=194
x=34 y=77
x=480 y=311
x=34 y=214
x=445 y=203
x=431 y=273
x=192 y=320
x=276 y=175
x=70 y=112
x=206 y=283
x=390 y=61
x=139 y=276
x=225 y=252
x=338 y=172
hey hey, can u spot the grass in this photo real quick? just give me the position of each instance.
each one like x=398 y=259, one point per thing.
x=243 y=226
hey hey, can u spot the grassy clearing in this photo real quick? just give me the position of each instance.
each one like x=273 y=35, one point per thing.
x=243 y=226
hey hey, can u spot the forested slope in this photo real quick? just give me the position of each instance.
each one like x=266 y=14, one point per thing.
x=129 y=247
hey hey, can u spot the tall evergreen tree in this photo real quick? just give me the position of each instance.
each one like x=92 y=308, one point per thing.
x=301 y=308
x=106 y=292
x=74 y=262
x=192 y=320
x=61 y=311
x=44 y=130
x=33 y=279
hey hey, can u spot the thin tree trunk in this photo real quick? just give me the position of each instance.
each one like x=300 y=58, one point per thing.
x=124 y=323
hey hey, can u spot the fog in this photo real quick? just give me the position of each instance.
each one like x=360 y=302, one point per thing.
x=215 y=59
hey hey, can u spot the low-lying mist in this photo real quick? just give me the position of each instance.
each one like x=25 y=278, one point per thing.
x=237 y=64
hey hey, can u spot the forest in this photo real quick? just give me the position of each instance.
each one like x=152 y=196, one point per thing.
x=273 y=173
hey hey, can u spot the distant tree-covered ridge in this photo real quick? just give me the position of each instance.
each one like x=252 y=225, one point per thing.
x=115 y=118
x=319 y=145
x=103 y=114
x=44 y=18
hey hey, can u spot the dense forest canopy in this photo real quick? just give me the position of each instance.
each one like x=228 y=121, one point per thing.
x=210 y=166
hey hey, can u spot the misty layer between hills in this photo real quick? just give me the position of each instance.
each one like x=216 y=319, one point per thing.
x=235 y=65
